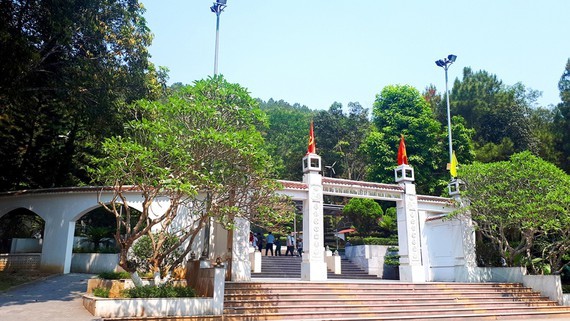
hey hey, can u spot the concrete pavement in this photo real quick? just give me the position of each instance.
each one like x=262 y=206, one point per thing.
x=56 y=298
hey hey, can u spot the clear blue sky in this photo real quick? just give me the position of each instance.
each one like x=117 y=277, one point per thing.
x=318 y=52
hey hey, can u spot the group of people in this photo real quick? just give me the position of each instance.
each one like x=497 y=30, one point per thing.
x=258 y=242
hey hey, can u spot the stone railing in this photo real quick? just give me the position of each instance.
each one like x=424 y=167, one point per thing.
x=28 y=261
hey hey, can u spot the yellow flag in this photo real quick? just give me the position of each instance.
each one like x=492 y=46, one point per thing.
x=453 y=167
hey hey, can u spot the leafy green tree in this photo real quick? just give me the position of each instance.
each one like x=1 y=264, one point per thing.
x=562 y=121
x=517 y=202
x=544 y=131
x=339 y=136
x=330 y=128
x=67 y=69
x=352 y=159
x=286 y=136
x=436 y=103
x=200 y=146
x=364 y=213
x=401 y=110
x=496 y=111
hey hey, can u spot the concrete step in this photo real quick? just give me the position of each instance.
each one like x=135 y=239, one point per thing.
x=291 y=300
x=388 y=302
x=290 y=267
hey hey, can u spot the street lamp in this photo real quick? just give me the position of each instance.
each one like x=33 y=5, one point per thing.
x=445 y=63
x=217 y=8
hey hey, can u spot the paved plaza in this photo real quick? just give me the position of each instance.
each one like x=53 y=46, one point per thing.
x=57 y=298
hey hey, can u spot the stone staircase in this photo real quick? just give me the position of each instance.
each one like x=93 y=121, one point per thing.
x=276 y=267
x=382 y=300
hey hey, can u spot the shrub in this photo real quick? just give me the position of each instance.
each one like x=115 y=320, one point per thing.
x=101 y=292
x=143 y=250
x=356 y=240
x=114 y=275
x=162 y=291
x=392 y=259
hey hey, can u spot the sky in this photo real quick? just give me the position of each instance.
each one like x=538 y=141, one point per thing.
x=318 y=52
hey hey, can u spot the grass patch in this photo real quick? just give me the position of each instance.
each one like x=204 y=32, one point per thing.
x=10 y=279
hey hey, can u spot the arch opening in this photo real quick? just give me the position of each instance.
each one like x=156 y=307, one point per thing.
x=21 y=231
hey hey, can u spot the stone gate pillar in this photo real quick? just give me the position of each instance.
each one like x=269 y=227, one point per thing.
x=241 y=266
x=409 y=231
x=313 y=266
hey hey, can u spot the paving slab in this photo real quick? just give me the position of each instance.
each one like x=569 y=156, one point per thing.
x=56 y=298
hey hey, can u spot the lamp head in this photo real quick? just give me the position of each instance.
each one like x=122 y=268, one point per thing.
x=440 y=63
x=452 y=58
x=223 y=2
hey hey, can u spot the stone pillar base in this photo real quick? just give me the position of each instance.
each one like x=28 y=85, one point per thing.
x=313 y=271
x=241 y=271
x=415 y=273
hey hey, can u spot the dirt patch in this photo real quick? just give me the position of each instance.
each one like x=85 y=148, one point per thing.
x=10 y=279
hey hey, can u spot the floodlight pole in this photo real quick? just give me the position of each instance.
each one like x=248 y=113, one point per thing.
x=445 y=63
x=217 y=8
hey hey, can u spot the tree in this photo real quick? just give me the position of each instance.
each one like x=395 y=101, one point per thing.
x=496 y=111
x=517 y=202
x=200 y=149
x=437 y=105
x=330 y=129
x=352 y=159
x=544 y=130
x=98 y=235
x=562 y=120
x=286 y=136
x=339 y=137
x=402 y=110
x=67 y=68
x=364 y=213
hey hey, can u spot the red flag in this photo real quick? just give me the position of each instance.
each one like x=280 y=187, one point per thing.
x=402 y=156
x=312 y=147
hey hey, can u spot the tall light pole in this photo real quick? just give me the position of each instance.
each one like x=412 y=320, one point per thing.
x=217 y=8
x=445 y=63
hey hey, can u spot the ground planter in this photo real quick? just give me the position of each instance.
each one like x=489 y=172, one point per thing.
x=121 y=308
x=391 y=272
x=114 y=286
x=210 y=300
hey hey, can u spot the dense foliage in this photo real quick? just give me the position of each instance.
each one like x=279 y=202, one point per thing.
x=402 y=110
x=364 y=213
x=162 y=291
x=522 y=206
x=200 y=147
x=67 y=69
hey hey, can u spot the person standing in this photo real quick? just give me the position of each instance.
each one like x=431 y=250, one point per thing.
x=259 y=242
x=269 y=245
x=290 y=245
x=277 y=245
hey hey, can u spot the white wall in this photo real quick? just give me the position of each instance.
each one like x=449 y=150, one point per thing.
x=443 y=249
x=27 y=245
x=94 y=262
x=370 y=258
